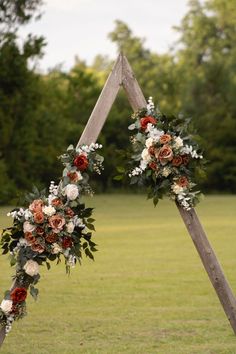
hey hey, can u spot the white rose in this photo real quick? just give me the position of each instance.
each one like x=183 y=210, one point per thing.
x=177 y=189
x=149 y=142
x=71 y=191
x=49 y=210
x=145 y=155
x=31 y=267
x=178 y=142
x=70 y=227
x=56 y=248
x=6 y=306
x=28 y=227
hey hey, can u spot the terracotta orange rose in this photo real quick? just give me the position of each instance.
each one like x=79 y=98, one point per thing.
x=165 y=138
x=73 y=176
x=29 y=238
x=152 y=150
x=153 y=165
x=51 y=238
x=37 y=247
x=39 y=217
x=145 y=120
x=185 y=159
x=56 y=202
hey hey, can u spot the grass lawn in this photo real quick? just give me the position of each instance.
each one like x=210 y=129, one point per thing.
x=146 y=292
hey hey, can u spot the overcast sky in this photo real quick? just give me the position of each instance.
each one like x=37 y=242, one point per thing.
x=80 y=27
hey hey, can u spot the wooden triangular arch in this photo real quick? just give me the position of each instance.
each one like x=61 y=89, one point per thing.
x=122 y=75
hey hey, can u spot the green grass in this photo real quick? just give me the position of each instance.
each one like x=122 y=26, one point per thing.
x=146 y=292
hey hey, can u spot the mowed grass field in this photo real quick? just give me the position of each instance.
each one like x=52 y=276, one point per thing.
x=146 y=292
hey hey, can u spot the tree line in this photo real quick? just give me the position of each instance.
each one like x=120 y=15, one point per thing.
x=41 y=114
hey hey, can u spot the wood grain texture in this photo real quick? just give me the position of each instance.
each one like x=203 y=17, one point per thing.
x=103 y=105
x=2 y=335
x=211 y=264
x=131 y=86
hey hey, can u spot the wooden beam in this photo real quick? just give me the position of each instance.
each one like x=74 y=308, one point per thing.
x=103 y=105
x=131 y=86
x=210 y=263
x=2 y=335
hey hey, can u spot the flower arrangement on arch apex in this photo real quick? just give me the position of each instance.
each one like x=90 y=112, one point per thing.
x=164 y=157
x=53 y=226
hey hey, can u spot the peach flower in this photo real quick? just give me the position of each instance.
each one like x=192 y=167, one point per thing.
x=36 y=205
x=39 y=217
x=165 y=138
x=56 y=222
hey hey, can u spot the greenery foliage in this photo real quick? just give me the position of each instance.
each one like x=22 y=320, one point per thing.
x=165 y=157
x=40 y=114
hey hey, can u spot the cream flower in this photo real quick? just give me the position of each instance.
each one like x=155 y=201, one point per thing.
x=49 y=210
x=166 y=171
x=56 y=248
x=71 y=191
x=70 y=227
x=177 y=189
x=178 y=142
x=149 y=142
x=6 y=306
x=31 y=267
x=145 y=155
x=28 y=227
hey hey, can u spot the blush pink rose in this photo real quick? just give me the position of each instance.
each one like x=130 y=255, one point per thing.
x=56 y=222
x=36 y=205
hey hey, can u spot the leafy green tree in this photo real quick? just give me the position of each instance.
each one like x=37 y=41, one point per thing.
x=206 y=66
x=18 y=94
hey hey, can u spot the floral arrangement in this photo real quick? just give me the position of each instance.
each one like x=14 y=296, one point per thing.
x=54 y=225
x=164 y=157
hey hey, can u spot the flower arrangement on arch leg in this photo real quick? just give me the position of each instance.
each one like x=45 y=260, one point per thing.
x=164 y=157
x=54 y=225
